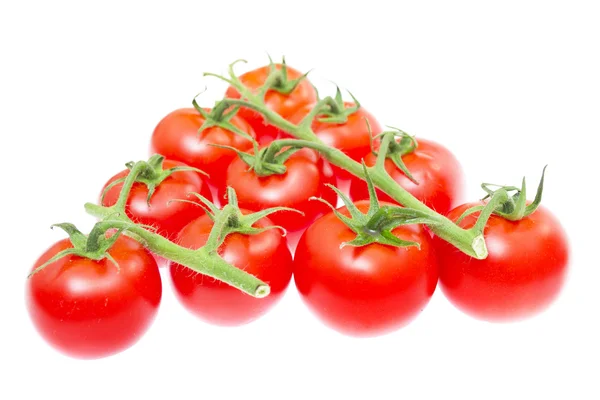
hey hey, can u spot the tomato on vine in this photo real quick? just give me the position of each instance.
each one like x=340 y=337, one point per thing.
x=369 y=274
x=187 y=135
x=91 y=297
x=151 y=199
x=251 y=243
x=346 y=126
x=286 y=177
x=427 y=170
x=525 y=269
x=289 y=90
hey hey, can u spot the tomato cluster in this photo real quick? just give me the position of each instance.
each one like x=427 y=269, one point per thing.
x=91 y=308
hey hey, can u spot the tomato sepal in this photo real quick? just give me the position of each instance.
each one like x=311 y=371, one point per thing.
x=376 y=225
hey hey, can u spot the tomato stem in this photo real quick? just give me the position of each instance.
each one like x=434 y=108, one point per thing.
x=201 y=260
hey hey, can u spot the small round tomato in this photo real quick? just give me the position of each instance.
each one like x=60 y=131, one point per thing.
x=437 y=171
x=176 y=137
x=283 y=104
x=264 y=255
x=92 y=309
x=523 y=273
x=305 y=177
x=364 y=291
x=167 y=216
x=352 y=137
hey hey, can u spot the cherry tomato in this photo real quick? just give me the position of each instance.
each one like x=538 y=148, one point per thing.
x=437 y=171
x=285 y=105
x=176 y=137
x=167 y=216
x=91 y=309
x=523 y=273
x=352 y=137
x=363 y=291
x=305 y=177
x=264 y=255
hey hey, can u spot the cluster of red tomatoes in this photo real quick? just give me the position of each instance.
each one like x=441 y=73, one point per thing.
x=88 y=308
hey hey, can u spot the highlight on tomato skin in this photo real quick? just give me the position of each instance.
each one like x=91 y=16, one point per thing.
x=90 y=309
x=265 y=255
x=364 y=291
x=524 y=273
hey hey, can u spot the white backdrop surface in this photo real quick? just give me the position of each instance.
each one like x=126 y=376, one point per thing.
x=507 y=86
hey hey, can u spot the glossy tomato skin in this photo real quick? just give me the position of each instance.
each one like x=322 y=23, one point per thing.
x=285 y=105
x=264 y=255
x=437 y=171
x=176 y=137
x=166 y=216
x=352 y=137
x=522 y=275
x=363 y=291
x=89 y=309
x=306 y=177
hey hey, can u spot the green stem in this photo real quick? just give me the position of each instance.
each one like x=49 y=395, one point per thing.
x=128 y=184
x=199 y=260
x=216 y=233
x=467 y=241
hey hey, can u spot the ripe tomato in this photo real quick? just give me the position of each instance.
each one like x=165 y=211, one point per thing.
x=363 y=291
x=176 y=137
x=306 y=176
x=285 y=105
x=352 y=137
x=91 y=309
x=437 y=171
x=167 y=218
x=523 y=273
x=264 y=255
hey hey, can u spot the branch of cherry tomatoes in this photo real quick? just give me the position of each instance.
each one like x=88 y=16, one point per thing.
x=276 y=151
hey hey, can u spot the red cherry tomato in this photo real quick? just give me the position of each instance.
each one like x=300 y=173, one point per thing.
x=91 y=309
x=306 y=177
x=363 y=291
x=352 y=137
x=285 y=105
x=176 y=137
x=167 y=216
x=264 y=255
x=523 y=273
x=437 y=171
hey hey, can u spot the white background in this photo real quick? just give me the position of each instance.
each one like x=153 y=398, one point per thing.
x=507 y=86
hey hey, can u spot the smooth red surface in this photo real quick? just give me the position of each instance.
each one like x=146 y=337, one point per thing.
x=352 y=137
x=364 y=291
x=176 y=137
x=523 y=273
x=167 y=218
x=265 y=255
x=437 y=171
x=285 y=105
x=90 y=309
x=305 y=177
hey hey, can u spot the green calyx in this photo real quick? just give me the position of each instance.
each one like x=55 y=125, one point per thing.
x=278 y=79
x=377 y=224
x=267 y=161
x=94 y=246
x=394 y=145
x=230 y=219
x=335 y=111
x=220 y=116
x=508 y=202
x=151 y=174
